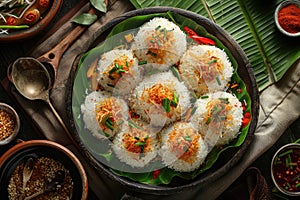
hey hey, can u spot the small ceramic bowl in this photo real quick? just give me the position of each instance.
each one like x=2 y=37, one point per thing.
x=285 y=169
x=9 y=124
x=279 y=7
x=13 y=161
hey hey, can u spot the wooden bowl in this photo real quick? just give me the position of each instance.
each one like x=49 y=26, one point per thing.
x=47 y=17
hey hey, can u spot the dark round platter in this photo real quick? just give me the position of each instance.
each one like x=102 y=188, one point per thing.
x=228 y=158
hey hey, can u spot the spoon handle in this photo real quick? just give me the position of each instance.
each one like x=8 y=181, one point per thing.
x=54 y=55
x=34 y=195
x=60 y=120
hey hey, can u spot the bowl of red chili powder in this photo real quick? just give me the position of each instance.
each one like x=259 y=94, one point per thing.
x=285 y=169
x=287 y=17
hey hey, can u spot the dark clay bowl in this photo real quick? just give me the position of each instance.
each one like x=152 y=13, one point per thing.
x=47 y=17
x=43 y=148
x=228 y=158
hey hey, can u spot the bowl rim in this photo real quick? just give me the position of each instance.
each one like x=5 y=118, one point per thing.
x=12 y=111
x=278 y=8
x=36 y=28
x=47 y=143
x=286 y=146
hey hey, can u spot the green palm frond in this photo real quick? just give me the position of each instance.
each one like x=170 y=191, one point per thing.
x=251 y=24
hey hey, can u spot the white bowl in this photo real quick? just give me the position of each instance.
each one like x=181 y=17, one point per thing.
x=7 y=108
x=279 y=7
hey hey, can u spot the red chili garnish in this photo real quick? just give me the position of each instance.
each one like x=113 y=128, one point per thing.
x=244 y=106
x=246 y=119
x=44 y=3
x=11 y=21
x=200 y=40
x=239 y=90
x=155 y=173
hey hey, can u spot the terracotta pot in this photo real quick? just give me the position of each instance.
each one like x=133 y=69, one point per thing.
x=43 y=148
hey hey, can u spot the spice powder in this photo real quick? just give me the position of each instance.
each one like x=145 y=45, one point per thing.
x=44 y=169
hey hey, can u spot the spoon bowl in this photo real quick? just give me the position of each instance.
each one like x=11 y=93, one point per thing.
x=50 y=185
x=27 y=172
x=31 y=78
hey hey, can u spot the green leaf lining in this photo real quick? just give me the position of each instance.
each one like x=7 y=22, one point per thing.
x=251 y=24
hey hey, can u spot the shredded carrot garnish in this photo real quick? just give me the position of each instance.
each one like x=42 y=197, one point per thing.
x=184 y=143
x=108 y=113
x=160 y=40
x=157 y=93
x=119 y=67
x=137 y=141
x=217 y=110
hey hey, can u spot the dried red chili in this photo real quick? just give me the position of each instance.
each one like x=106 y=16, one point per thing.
x=11 y=21
x=289 y=18
x=200 y=40
x=44 y=3
x=155 y=173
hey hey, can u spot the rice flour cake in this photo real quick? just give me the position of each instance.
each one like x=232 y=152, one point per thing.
x=160 y=43
x=183 y=149
x=119 y=72
x=218 y=117
x=103 y=114
x=135 y=145
x=160 y=99
x=205 y=68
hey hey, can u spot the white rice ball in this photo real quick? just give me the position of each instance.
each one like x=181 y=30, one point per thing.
x=218 y=117
x=135 y=145
x=160 y=99
x=205 y=68
x=104 y=114
x=119 y=71
x=160 y=42
x=183 y=149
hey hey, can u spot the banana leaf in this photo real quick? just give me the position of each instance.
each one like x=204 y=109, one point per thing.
x=251 y=24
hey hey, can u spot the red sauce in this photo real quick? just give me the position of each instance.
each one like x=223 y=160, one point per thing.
x=286 y=169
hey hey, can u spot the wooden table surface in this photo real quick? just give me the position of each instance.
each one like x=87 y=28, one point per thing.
x=11 y=51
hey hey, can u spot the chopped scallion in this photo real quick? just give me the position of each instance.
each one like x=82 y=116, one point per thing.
x=166 y=104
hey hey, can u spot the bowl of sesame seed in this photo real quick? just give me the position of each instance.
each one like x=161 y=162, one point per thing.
x=9 y=124
x=54 y=173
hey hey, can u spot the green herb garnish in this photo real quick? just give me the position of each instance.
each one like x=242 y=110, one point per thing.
x=166 y=104
x=175 y=72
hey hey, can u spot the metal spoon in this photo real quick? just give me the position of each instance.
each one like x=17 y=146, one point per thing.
x=27 y=172
x=32 y=78
x=50 y=185
x=33 y=81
